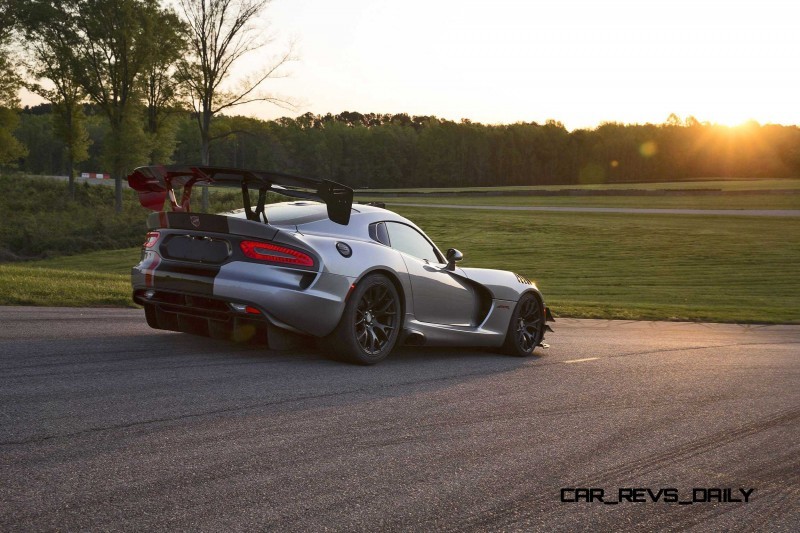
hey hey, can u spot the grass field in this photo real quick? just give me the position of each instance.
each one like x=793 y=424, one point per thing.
x=39 y=220
x=91 y=279
x=761 y=195
x=763 y=184
x=731 y=269
x=28 y=284
x=726 y=269
x=749 y=201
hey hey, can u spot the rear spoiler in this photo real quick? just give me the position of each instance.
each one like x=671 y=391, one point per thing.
x=154 y=184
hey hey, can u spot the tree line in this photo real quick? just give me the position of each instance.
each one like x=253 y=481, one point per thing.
x=383 y=150
x=135 y=62
x=132 y=82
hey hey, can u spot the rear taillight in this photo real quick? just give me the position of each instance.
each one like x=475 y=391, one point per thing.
x=151 y=239
x=273 y=253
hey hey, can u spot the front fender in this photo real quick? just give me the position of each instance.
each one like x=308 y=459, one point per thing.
x=502 y=284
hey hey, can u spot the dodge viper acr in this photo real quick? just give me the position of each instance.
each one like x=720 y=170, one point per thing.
x=360 y=276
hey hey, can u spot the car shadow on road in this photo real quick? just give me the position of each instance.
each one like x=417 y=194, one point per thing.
x=310 y=368
x=139 y=378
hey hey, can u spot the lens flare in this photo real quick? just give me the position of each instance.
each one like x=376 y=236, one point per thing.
x=648 y=149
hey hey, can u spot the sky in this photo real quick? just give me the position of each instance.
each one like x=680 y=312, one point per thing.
x=581 y=62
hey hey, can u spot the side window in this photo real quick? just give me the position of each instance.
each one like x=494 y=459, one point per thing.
x=377 y=232
x=408 y=240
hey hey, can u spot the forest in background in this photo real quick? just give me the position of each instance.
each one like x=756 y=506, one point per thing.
x=382 y=150
x=118 y=99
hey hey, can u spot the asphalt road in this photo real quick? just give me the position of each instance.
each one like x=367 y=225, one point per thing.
x=628 y=210
x=106 y=425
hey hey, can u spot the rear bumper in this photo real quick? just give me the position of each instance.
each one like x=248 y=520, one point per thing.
x=305 y=302
x=201 y=315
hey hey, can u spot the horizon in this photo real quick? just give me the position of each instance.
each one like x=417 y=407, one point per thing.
x=35 y=101
x=576 y=62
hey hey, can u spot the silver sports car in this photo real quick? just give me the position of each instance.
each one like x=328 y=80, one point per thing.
x=359 y=275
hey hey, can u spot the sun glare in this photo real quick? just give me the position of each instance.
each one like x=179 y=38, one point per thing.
x=580 y=62
x=730 y=118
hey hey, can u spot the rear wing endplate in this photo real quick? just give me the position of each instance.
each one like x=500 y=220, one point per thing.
x=157 y=183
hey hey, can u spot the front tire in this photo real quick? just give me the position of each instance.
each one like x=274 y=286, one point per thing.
x=526 y=329
x=370 y=325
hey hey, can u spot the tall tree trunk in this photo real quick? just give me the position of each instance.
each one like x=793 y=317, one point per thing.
x=118 y=193
x=205 y=150
x=70 y=144
x=71 y=174
x=117 y=168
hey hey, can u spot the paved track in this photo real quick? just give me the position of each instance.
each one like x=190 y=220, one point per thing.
x=628 y=210
x=106 y=425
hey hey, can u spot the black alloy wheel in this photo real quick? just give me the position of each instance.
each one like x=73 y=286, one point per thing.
x=526 y=329
x=376 y=316
x=370 y=325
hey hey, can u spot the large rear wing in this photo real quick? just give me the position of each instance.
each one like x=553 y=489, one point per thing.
x=156 y=183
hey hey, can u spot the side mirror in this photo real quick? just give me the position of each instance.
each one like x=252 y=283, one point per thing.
x=453 y=256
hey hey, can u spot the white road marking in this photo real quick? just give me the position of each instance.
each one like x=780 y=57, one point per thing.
x=581 y=360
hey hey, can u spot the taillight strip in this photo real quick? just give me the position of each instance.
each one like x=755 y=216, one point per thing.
x=288 y=256
x=151 y=239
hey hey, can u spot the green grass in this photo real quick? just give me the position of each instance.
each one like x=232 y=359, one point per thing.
x=726 y=269
x=40 y=221
x=760 y=195
x=91 y=279
x=701 y=268
x=749 y=201
x=763 y=184
x=113 y=262
x=22 y=284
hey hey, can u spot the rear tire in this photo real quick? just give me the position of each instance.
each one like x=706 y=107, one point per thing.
x=526 y=328
x=370 y=324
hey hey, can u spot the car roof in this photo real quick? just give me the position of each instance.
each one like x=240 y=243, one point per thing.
x=302 y=213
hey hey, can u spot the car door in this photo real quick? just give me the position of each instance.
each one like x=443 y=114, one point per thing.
x=439 y=296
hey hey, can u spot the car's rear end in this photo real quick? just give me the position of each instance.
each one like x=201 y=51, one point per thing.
x=232 y=277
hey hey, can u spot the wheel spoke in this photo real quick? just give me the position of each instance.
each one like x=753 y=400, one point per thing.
x=384 y=305
x=375 y=318
x=532 y=314
x=367 y=299
x=374 y=343
x=380 y=295
x=385 y=329
x=525 y=340
x=382 y=325
x=530 y=326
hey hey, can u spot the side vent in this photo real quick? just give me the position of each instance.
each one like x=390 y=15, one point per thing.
x=523 y=279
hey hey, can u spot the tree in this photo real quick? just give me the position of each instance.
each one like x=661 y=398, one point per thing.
x=220 y=33
x=45 y=150
x=114 y=46
x=49 y=40
x=10 y=147
x=161 y=87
